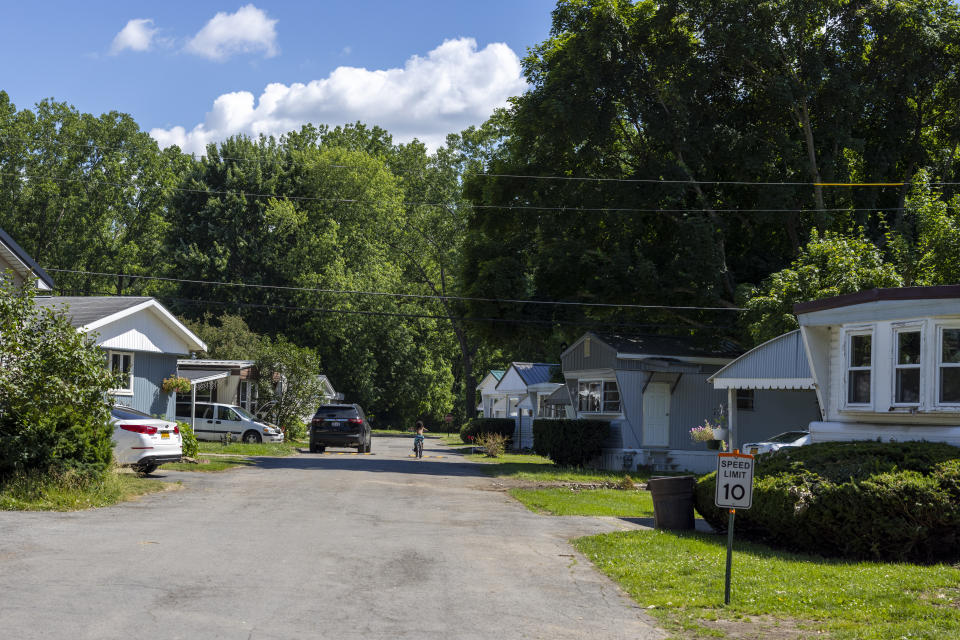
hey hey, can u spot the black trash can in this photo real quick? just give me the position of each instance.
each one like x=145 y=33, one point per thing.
x=672 y=502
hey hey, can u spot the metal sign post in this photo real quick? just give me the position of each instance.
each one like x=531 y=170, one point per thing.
x=734 y=491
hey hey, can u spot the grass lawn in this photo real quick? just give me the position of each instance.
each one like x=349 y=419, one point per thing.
x=280 y=449
x=678 y=578
x=72 y=493
x=592 y=502
x=534 y=468
x=210 y=463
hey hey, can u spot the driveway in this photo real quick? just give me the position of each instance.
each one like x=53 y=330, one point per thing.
x=314 y=546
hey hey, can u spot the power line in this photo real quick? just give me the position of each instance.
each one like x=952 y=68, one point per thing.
x=561 y=208
x=397 y=295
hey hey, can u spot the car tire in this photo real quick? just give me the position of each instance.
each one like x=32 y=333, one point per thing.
x=252 y=437
x=145 y=469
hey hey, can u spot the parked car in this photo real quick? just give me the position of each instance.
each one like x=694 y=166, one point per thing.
x=143 y=442
x=786 y=440
x=214 y=420
x=340 y=425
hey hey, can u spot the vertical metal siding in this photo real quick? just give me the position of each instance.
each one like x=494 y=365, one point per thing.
x=631 y=403
x=776 y=411
x=149 y=370
x=693 y=401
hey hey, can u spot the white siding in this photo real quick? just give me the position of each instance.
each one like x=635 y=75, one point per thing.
x=141 y=331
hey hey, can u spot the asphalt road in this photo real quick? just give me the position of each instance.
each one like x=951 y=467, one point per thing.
x=314 y=546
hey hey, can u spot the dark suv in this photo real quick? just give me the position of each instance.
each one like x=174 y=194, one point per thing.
x=339 y=425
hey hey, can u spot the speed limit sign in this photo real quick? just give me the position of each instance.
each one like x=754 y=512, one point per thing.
x=734 y=481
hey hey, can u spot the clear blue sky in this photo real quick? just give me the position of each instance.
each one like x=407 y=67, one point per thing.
x=68 y=51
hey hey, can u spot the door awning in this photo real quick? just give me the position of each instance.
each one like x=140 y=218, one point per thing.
x=197 y=376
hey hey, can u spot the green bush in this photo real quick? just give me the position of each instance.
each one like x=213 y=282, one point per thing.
x=191 y=447
x=570 y=443
x=476 y=426
x=897 y=501
x=53 y=381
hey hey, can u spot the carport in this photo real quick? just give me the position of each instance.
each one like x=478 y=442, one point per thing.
x=198 y=377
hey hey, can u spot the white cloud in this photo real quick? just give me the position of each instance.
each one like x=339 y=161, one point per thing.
x=247 y=31
x=454 y=86
x=136 y=36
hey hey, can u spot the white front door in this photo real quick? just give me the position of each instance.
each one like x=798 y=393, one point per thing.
x=656 y=415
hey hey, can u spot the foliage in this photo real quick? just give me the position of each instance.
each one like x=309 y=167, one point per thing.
x=175 y=383
x=493 y=444
x=570 y=442
x=289 y=376
x=702 y=433
x=895 y=501
x=191 y=446
x=53 y=389
x=295 y=430
x=827 y=266
x=227 y=337
x=476 y=426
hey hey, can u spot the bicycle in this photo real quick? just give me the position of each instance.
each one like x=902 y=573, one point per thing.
x=418 y=445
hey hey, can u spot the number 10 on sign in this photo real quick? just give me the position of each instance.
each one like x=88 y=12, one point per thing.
x=734 y=491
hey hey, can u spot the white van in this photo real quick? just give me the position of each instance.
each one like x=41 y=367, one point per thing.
x=213 y=421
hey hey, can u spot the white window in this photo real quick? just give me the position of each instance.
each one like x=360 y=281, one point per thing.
x=598 y=396
x=907 y=361
x=247 y=393
x=859 y=368
x=545 y=410
x=949 y=366
x=121 y=363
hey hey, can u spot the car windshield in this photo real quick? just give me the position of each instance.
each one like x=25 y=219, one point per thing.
x=789 y=436
x=126 y=413
x=243 y=412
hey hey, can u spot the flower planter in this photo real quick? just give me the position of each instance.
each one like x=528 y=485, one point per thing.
x=720 y=433
x=713 y=444
x=672 y=502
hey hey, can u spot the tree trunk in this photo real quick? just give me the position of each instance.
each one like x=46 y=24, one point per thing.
x=811 y=155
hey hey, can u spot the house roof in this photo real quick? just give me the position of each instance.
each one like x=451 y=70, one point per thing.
x=89 y=313
x=497 y=373
x=669 y=346
x=780 y=363
x=533 y=372
x=560 y=396
x=874 y=295
x=210 y=364
x=16 y=255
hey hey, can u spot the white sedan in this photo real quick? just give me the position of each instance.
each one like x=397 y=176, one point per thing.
x=789 y=439
x=143 y=442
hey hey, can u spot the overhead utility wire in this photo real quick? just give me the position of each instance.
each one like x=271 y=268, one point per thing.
x=473 y=206
x=396 y=295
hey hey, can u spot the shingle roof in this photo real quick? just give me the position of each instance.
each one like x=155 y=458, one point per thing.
x=18 y=251
x=671 y=346
x=84 y=310
x=534 y=372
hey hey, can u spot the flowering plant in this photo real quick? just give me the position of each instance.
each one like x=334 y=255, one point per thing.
x=702 y=433
x=175 y=383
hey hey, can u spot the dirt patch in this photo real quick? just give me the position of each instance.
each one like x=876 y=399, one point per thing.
x=765 y=628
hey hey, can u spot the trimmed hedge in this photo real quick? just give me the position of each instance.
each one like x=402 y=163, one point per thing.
x=569 y=442
x=897 y=501
x=476 y=426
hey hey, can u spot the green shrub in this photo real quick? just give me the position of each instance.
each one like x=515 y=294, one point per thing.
x=570 y=443
x=476 y=426
x=295 y=430
x=898 y=501
x=53 y=381
x=191 y=447
x=493 y=444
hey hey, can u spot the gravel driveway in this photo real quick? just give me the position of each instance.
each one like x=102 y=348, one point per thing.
x=313 y=546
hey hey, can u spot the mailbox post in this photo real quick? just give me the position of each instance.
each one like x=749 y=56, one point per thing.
x=734 y=491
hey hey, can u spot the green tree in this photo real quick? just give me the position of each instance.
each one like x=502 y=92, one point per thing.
x=290 y=378
x=827 y=266
x=54 y=415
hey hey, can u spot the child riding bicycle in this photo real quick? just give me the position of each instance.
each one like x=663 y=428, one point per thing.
x=418 y=438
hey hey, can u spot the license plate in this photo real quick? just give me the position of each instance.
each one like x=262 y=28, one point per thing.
x=335 y=424
x=753 y=450
x=164 y=435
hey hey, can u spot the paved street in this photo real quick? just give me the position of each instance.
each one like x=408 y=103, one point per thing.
x=331 y=546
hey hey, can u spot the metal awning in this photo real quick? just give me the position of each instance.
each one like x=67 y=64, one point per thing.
x=197 y=376
x=560 y=397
